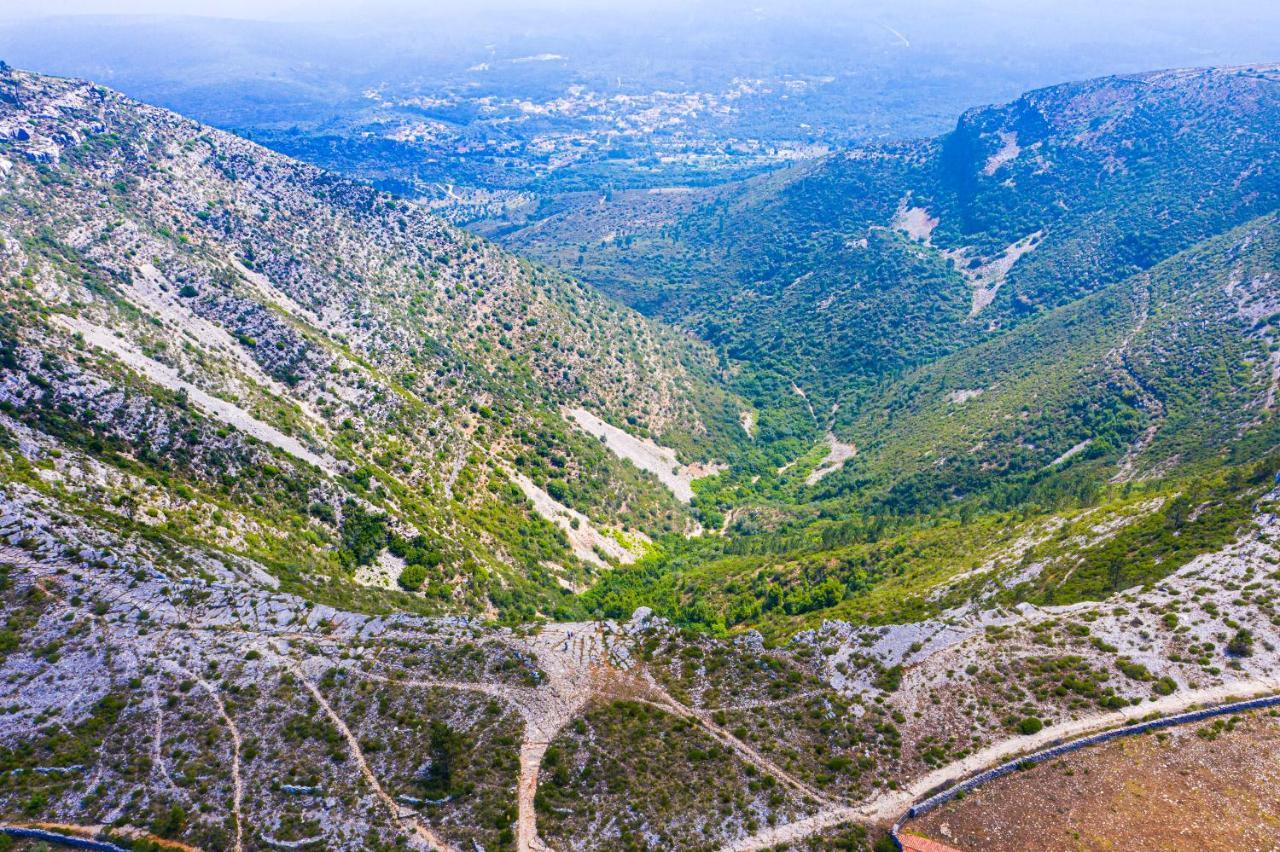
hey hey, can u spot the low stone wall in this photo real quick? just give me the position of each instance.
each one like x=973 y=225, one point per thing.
x=925 y=806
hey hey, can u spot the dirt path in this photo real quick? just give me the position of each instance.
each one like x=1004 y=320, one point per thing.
x=1150 y=403
x=576 y=660
x=157 y=742
x=398 y=814
x=888 y=806
x=798 y=830
x=767 y=702
x=237 y=783
x=531 y=754
x=532 y=748
x=582 y=661
x=664 y=701
x=579 y=664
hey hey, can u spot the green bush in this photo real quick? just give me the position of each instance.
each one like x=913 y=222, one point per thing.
x=363 y=535
x=412 y=577
x=1132 y=670
x=1241 y=645
x=889 y=679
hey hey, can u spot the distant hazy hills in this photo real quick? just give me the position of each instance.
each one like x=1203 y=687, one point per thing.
x=478 y=110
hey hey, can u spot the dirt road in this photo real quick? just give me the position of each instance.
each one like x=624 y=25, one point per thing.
x=888 y=806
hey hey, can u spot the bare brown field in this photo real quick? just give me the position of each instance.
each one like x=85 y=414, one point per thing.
x=1197 y=787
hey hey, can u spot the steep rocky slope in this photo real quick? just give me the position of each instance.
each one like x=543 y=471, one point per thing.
x=219 y=345
x=169 y=695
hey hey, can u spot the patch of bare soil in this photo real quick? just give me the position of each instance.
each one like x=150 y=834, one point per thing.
x=645 y=454
x=1009 y=151
x=1196 y=787
x=588 y=542
x=987 y=278
x=837 y=454
x=915 y=222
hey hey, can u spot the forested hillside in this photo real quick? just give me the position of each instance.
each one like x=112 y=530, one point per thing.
x=1149 y=405
x=841 y=273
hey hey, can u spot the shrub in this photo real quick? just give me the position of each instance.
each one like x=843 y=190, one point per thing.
x=889 y=679
x=1241 y=645
x=363 y=535
x=412 y=577
x=558 y=489
x=1030 y=725
x=1132 y=670
x=171 y=823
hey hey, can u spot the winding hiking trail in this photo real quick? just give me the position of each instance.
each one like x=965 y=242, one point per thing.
x=237 y=782
x=766 y=702
x=1119 y=359
x=157 y=743
x=745 y=751
x=582 y=661
x=580 y=664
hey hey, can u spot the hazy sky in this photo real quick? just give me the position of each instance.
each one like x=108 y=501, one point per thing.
x=292 y=9
x=1244 y=27
x=1099 y=12
x=1128 y=34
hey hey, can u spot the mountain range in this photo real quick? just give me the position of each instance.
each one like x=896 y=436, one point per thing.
x=438 y=524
